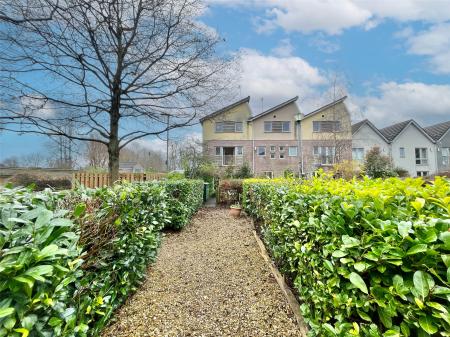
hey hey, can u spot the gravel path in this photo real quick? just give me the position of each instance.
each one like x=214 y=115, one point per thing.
x=209 y=280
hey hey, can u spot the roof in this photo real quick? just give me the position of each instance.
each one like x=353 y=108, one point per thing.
x=392 y=131
x=329 y=105
x=277 y=107
x=228 y=107
x=357 y=126
x=437 y=131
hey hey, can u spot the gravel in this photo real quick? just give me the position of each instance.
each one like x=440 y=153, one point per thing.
x=209 y=280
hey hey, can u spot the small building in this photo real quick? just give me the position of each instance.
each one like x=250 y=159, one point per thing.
x=441 y=135
x=130 y=167
x=365 y=137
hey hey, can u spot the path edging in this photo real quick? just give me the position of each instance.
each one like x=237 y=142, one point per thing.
x=287 y=292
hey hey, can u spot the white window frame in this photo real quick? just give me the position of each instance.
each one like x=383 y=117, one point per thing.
x=261 y=147
x=268 y=174
x=324 y=154
x=402 y=152
x=238 y=127
x=318 y=126
x=285 y=126
x=422 y=160
x=239 y=151
x=422 y=173
x=220 y=150
x=356 y=151
x=445 y=155
x=282 y=152
x=290 y=149
x=272 y=151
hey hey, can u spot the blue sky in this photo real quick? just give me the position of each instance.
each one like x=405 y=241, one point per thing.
x=392 y=58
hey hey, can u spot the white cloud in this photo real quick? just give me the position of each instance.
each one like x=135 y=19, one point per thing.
x=435 y=44
x=332 y=17
x=323 y=44
x=284 y=48
x=275 y=78
x=394 y=102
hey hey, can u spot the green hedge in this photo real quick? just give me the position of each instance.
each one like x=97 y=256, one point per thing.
x=63 y=273
x=367 y=258
x=187 y=197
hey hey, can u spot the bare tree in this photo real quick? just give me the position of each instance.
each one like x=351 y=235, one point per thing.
x=117 y=69
x=21 y=11
x=96 y=155
x=32 y=160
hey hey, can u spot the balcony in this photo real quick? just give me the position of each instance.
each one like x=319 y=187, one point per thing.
x=229 y=160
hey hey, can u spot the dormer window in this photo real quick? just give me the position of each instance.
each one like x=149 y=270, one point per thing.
x=228 y=127
x=277 y=126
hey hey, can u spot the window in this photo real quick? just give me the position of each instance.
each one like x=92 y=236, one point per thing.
x=261 y=150
x=402 y=152
x=268 y=174
x=218 y=150
x=277 y=126
x=282 y=152
x=326 y=126
x=272 y=152
x=324 y=155
x=445 y=154
x=421 y=156
x=293 y=151
x=228 y=127
x=422 y=173
x=358 y=153
x=239 y=151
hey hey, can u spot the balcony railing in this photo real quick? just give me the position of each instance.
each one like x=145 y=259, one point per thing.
x=229 y=160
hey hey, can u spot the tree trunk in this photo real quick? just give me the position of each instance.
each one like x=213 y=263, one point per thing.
x=113 y=145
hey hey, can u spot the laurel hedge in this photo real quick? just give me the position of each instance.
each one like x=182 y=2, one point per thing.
x=69 y=259
x=366 y=257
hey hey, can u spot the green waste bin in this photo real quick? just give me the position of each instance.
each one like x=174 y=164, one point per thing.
x=205 y=191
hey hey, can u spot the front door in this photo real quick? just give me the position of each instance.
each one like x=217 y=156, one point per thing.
x=228 y=156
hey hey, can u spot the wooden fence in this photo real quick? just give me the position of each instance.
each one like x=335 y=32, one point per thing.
x=94 y=180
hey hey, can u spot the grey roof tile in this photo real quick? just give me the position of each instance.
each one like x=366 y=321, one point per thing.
x=437 y=131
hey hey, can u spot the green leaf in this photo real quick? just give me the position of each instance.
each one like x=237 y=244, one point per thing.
x=404 y=228
x=418 y=204
x=420 y=280
x=6 y=312
x=38 y=271
x=358 y=282
x=79 y=210
x=349 y=242
x=339 y=253
x=419 y=248
x=364 y=315
x=427 y=324
x=360 y=266
x=385 y=317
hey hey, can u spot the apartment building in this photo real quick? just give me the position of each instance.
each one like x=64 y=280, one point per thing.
x=420 y=151
x=278 y=139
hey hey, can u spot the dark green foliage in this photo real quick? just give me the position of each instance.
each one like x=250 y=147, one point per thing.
x=64 y=273
x=377 y=165
x=41 y=182
x=243 y=172
x=186 y=198
x=367 y=258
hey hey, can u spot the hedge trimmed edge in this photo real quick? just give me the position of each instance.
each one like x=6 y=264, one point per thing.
x=68 y=260
x=366 y=257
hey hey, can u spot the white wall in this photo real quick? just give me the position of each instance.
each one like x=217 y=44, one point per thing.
x=411 y=138
x=367 y=138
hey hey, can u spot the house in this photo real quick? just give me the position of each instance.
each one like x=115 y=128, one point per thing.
x=411 y=148
x=366 y=136
x=441 y=135
x=278 y=139
x=130 y=167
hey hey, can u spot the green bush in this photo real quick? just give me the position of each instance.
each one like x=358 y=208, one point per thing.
x=366 y=257
x=63 y=273
x=186 y=198
x=377 y=165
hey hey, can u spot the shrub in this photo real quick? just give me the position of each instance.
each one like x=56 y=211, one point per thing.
x=368 y=258
x=186 y=198
x=63 y=273
x=346 y=169
x=40 y=182
x=229 y=191
x=377 y=165
x=175 y=175
x=401 y=172
x=243 y=172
